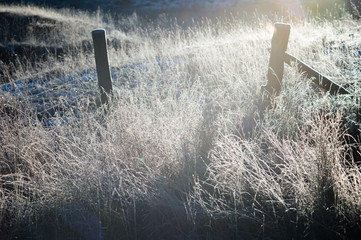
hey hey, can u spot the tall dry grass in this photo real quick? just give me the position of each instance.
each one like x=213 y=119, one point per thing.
x=169 y=160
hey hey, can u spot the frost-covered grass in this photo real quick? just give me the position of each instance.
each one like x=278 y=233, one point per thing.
x=169 y=160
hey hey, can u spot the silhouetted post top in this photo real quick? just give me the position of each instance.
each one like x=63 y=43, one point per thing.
x=281 y=35
x=284 y=26
x=98 y=31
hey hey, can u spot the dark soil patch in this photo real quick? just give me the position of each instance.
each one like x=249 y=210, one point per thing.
x=16 y=50
x=17 y=27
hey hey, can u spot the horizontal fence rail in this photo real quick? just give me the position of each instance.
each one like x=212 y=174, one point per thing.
x=318 y=78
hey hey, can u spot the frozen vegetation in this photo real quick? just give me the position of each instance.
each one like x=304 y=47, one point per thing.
x=169 y=159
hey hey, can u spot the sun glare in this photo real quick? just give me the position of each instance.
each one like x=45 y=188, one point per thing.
x=293 y=8
x=269 y=27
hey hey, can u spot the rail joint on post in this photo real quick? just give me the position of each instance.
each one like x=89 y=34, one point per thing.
x=276 y=63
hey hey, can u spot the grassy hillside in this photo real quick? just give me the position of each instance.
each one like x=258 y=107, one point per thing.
x=171 y=159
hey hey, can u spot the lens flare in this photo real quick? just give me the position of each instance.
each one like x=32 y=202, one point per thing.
x=269 y=27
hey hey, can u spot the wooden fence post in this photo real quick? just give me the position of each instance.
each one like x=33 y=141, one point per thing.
x=276 y=64
x=102 y=65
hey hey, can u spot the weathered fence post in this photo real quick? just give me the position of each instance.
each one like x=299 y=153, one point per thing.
x=102 y=65
x=276 y=64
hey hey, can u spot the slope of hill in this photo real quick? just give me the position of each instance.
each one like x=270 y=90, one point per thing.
x=181 y=5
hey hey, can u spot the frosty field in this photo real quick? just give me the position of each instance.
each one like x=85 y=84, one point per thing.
x=170 y=159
